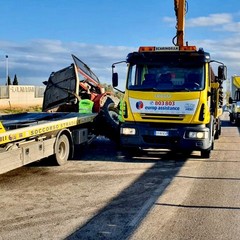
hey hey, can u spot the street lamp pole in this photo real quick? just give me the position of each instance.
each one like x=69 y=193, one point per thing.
x=7 y=70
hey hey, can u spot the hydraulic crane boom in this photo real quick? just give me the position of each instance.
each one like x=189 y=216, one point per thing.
x=179 y=7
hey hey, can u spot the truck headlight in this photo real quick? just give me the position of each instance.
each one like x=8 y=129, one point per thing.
x=198 y=135
x=128 y=131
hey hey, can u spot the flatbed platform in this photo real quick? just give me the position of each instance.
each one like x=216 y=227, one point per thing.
x=24 y=125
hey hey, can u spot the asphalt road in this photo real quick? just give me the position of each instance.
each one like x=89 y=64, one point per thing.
x=101 y=194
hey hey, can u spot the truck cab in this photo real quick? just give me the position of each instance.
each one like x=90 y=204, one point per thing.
x=171 y=101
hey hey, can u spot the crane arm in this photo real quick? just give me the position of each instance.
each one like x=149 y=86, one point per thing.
x=179 y=7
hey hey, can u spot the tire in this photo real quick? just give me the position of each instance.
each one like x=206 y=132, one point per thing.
x=217 y=135
x=231 y=118
x=62 y=149
x=206 y=153
x=218 y=130
x=107 y=123
x=237 y=121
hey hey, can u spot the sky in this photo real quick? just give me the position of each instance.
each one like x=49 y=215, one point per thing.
x=39 y=36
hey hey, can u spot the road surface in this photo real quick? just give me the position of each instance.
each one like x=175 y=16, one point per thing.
x=101 y=194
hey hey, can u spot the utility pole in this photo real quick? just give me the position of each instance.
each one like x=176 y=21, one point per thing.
x=7 y=70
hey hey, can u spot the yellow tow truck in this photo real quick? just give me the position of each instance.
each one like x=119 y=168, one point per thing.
x=172 y=99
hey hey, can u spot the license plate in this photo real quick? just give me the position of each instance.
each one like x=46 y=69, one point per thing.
x=161 y=133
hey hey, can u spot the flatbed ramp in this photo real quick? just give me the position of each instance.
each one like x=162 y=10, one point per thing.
x=28 y=137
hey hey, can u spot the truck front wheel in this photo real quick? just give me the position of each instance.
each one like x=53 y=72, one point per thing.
x=206 y=153
x=62 y=149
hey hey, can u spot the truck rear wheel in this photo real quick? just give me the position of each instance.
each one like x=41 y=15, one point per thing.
x=62 y=149
x=231 y=118
x=218 y=129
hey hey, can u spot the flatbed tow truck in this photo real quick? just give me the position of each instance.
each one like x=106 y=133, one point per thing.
x=28 y=137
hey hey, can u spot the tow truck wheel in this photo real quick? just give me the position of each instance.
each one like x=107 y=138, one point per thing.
x=218 y=129
x=231 y=118
x=62 y=149
x=206 y=153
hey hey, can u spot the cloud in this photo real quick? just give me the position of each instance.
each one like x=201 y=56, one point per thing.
x=224 y=50
x=211 y=20
x=224 y=22
x=231 y=27
x=34 y=61
x=170 y=20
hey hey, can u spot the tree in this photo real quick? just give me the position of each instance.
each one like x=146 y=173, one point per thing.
x=9 y=81
x=15 y=81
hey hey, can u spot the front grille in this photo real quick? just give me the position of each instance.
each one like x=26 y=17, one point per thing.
x=148 y=116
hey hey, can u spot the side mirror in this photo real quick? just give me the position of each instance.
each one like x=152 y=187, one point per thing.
x=222 y=72
x=115 y=79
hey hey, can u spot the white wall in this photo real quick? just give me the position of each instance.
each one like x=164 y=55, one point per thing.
x=20 y=96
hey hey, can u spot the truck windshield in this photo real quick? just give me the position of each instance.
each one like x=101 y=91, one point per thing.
x=166 y=78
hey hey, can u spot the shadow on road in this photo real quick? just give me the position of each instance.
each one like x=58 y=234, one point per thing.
x=124 y=213
x=102 y=149
x=120 y=218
